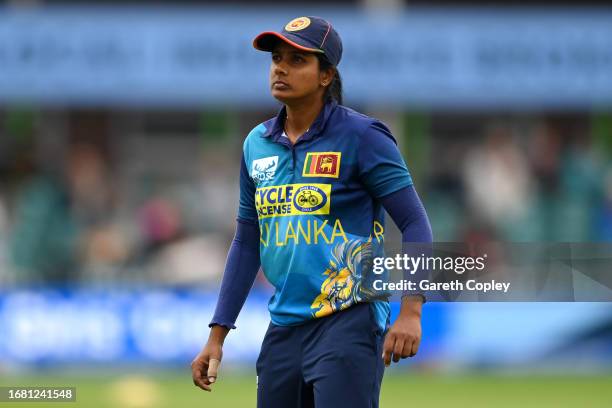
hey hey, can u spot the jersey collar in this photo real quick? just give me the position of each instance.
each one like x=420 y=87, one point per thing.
x=276 y=128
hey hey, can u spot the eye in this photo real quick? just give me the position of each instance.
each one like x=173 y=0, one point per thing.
x=298 y=58
x=275 y=57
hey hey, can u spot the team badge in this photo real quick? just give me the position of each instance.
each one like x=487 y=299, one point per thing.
x=322 y=164
x=264 y=169
x=297 y=24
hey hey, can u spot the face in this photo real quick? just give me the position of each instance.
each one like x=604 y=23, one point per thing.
x=295 y=74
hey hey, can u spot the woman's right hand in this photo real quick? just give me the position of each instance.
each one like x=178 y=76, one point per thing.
x=205 y=366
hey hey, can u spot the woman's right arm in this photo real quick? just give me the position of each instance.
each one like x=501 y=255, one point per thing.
x=240 y=271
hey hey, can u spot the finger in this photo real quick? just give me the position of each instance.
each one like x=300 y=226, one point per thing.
x=415 y=347
x=199 y=381
x=407 y=350
x=388 y=349
x=397 y=349
x=213 y=367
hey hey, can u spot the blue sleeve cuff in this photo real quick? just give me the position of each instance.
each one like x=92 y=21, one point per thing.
x=224 y=324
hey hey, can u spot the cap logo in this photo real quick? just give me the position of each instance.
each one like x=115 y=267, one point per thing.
x=297 y=24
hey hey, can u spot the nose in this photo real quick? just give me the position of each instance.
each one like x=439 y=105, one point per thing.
x=279 y=68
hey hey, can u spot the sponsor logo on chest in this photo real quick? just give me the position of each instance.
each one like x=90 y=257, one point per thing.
x=293 y=199
x=264 y=169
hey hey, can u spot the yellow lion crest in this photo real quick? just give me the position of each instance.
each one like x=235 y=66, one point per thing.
x=342 y=286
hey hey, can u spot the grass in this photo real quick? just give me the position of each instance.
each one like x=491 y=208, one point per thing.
x=172 y=389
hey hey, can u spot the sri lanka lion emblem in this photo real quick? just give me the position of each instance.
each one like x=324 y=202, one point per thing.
x=342 y=287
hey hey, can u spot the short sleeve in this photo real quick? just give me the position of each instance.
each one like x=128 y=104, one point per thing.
x=246 y=207
x=381 y=166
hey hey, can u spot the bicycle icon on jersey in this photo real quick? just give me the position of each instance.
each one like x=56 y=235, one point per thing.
x=307 y=198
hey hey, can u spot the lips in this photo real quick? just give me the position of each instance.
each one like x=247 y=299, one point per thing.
x=280 y=85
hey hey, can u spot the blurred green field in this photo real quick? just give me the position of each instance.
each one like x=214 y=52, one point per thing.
x=172 y=389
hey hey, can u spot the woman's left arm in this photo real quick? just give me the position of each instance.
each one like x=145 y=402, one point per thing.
x=407 y=211
x=385 y=174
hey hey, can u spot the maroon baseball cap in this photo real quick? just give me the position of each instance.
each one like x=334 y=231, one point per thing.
x=312 y=34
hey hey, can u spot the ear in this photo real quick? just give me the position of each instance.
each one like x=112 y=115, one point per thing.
x=326 y=76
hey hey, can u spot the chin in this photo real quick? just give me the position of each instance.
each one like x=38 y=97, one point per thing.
x=282 y=96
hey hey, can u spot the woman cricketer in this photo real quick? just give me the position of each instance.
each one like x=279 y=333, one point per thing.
x=314 y=181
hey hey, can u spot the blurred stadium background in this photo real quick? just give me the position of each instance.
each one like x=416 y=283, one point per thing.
x=121 y=125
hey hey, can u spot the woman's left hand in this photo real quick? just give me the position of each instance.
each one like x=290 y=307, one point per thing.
x=404 y=336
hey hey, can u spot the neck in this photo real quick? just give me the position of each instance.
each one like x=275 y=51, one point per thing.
x=301 y=115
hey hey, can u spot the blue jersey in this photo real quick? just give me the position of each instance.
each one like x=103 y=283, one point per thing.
x=318 y=211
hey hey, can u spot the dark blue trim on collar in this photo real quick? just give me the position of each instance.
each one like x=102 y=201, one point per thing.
x=276 y=124
x=276 y=128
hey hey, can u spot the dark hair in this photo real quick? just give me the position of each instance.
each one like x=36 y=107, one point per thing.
x=333 y=90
